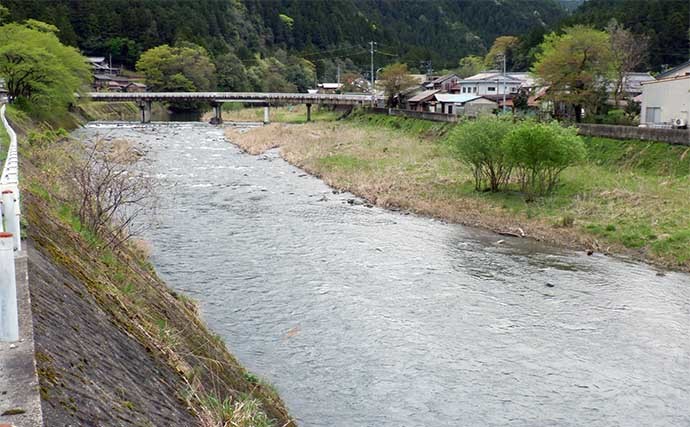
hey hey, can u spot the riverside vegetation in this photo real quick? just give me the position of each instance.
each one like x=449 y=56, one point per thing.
x=625 y=197
x=77 y=237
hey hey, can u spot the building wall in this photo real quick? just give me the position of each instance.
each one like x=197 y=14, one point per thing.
x=671 y=97
x=482 y=87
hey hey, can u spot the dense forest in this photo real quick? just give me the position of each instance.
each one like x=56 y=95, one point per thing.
x=299 y=37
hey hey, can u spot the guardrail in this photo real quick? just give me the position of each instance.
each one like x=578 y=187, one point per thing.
x=10 y=237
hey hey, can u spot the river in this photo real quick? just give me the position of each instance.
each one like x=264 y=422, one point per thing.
x=365 y=317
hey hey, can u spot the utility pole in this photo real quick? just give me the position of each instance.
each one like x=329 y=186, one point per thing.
x=373 y=94
x=504 y=82
x=338 y=75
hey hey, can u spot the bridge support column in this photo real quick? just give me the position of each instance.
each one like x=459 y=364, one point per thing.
x=308 y=112
x=145 y=107
x=217 y=118
x=267 y=119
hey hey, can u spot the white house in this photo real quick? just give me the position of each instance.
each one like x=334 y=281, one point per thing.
x=494 y=83
x=464 y=104
x=665 y=101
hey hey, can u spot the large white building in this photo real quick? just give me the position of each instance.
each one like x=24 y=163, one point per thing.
x=494 y=83
x=666 y=101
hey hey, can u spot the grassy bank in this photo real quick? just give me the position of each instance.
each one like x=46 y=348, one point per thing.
x=119 y=282
x=628 y=197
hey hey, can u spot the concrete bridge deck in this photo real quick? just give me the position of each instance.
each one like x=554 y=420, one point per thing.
x=216 y=99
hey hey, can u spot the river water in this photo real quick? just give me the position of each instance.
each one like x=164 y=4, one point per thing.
x=364 y=317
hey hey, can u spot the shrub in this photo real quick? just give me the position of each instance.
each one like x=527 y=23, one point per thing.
x=540 y=152
x=478 y=144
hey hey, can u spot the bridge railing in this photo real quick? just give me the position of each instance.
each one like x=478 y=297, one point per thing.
x=10 y=237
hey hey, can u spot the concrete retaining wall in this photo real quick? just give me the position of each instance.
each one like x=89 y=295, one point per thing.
x=671 y=136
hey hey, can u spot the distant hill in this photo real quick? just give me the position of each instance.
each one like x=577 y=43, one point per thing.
x=665 y=22
x=412 y=31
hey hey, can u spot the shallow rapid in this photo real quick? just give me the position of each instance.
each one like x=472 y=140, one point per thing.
x=364 y=317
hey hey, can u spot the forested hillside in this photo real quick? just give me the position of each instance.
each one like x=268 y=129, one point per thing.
x=411 y=31
x=665 y=22
x=281 y=44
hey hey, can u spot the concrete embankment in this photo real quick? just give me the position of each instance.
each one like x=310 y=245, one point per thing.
x=114 y=346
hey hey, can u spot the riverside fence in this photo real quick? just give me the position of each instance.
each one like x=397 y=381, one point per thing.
x=10 y=238
x=669 y=136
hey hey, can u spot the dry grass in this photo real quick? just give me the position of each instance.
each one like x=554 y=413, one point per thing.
x=597 y=207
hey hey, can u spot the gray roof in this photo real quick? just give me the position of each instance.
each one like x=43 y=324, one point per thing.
x=421 y=96
x=673 y=71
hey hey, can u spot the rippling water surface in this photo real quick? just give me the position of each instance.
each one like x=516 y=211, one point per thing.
x=364 y=317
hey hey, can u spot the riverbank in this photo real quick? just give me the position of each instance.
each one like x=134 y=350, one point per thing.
x=629 y=198
x=114 y=344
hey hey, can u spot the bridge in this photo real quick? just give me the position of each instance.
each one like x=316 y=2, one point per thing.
x=216 y=99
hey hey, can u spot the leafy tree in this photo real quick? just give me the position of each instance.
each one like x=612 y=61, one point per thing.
x=4 y=14
x=394 y=79
x=539 y=152
x=576 y=65
x=629 y=51
x=169 y=68
x=470 y=65
x=41 y=74
x=503 y=46
x=231 y=73
x=479 y=145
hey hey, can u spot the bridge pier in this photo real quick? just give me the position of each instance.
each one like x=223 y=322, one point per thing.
x=267 y=119
x=145 y=107
x=217 y=118
x=308 y=112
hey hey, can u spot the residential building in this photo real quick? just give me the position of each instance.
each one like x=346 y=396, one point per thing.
x=494 y=83
x=329 y=87
x=666 y=102
x=448 y=83
x=101 y=66
x=423 y=101
x=464 y=104
x=678 y=71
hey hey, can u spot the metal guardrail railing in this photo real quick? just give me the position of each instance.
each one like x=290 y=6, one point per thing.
x=10 y=237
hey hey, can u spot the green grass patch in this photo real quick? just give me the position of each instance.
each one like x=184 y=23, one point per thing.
x=344 y=161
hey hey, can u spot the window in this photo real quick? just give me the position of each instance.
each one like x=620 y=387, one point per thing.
x=653 y=115
x=474 y=89
x=491 y=89
x=513 y=89
x=464 y=89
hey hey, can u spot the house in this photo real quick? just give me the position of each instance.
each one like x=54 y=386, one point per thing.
x=134 y=87
x=423 y=101
x=632 y=83
x=447 y=83
x=329 y=87
x=494 y=83
x=110 y=83
x=678 y=71
x=464 y=104
x=100 y=66
x=666 y=102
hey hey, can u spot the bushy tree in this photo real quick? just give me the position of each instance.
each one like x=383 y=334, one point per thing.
x=479 y=144
x=41 y=74
x=394 y=79
x=169 y=68
x=231 y=74
x=539 y=152
x=470 y=65
x=577 y=65
x=503 y=46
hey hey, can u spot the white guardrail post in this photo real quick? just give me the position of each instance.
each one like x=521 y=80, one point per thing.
x=10 y=238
